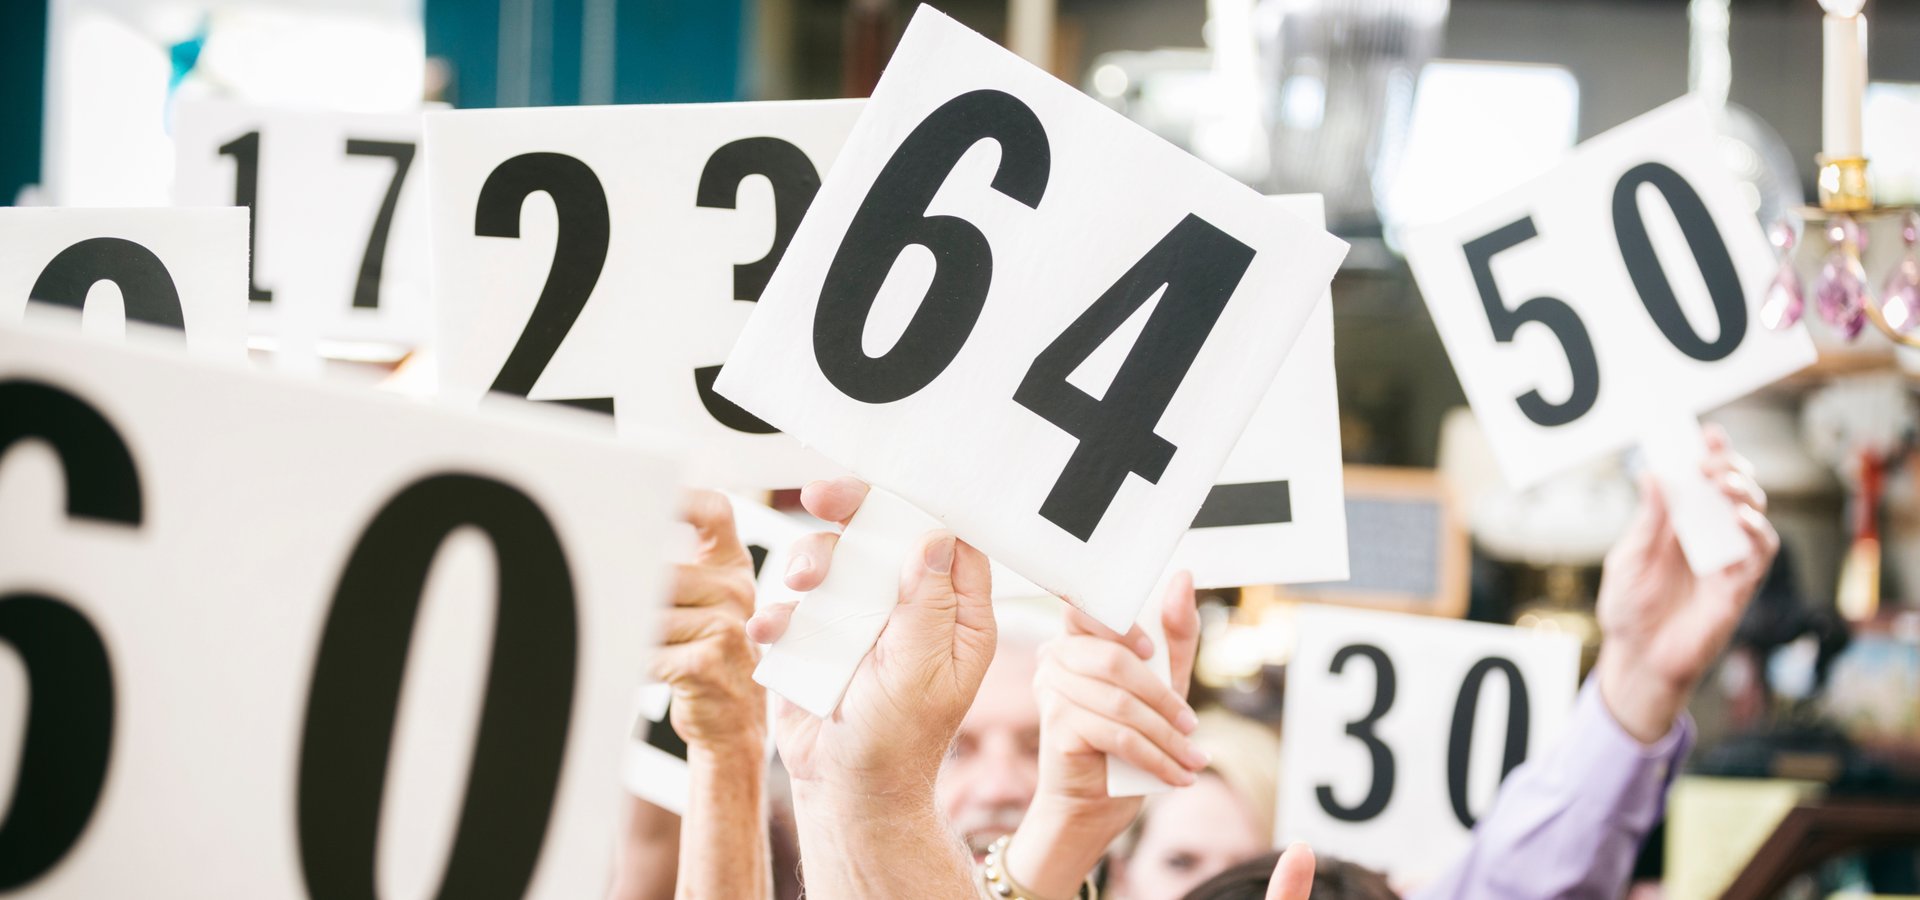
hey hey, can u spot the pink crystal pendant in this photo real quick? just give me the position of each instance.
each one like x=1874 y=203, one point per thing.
x=1784 y=302
x=1841 y=292
x=1900 y=298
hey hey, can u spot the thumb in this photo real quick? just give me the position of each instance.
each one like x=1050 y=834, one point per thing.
x=926 y=580
x=945 y=593
x=972 y=579
x=1650 y=523
x=1292 y=875
x=1180 y=625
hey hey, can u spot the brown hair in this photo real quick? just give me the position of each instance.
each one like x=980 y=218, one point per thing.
x=1333 y=879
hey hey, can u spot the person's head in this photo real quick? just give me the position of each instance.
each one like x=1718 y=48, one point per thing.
x=1184 y=837
x=989 y=778
x=1333 y=879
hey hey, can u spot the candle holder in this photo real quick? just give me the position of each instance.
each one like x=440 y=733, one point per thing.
x=1843 y=184
x=1860 y=240
x=1862 y=266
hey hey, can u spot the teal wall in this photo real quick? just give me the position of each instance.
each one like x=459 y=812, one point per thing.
x=23 y=63
x=660 y=51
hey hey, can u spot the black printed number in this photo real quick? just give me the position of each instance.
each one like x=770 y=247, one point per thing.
x=1460 y=736
x=245 y=151
x=1650 y=282
x=1198 y=266
x=366 y=286
x=893 y=217
x=70 y=688
x=1466 y=707
x=347 y=738
x=1194 y=269
x=1549 y=311
x=1380 y=786
x=1709 y=253
x=794 y=182
x=146 y=287
x=579 y=253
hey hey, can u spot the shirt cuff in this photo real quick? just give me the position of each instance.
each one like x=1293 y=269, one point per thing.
x=1616 y=765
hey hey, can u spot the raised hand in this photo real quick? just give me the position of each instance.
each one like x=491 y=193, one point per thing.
x=1661 y=625
x=720 y=849
x=706 y=656
x=863 y=777
x=1099 y=697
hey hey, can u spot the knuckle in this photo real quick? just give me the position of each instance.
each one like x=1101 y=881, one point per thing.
x=738 y=588
x=711 y=507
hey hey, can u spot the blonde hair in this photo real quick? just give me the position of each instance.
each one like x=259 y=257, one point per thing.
x=1246 y=757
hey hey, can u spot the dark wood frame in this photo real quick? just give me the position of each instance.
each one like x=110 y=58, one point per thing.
x=1816 y=832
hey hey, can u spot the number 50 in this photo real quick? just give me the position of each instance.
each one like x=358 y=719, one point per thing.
x=1649 y=282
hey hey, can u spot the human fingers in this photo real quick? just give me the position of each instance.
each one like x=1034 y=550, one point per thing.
x=1292 y=875
x=769 y=624
x=1650 y=526
x=1118 y=739
x=834 y=499
x=1180 y=623
x=704 y=585
x=1111 y=664
x=1136 y=639
x=1116 y=705
x=711 y=515
x=809 y=560
x=1738 y=486
x=700 y=644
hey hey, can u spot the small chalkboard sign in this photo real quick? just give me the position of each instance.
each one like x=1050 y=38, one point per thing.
x=1406 y=545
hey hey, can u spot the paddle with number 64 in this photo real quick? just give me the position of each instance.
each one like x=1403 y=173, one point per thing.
x=1005 y=303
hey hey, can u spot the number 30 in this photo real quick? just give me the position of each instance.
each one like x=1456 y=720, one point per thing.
x=1459 y=736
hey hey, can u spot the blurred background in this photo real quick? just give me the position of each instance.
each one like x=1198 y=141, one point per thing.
x=1398 y=111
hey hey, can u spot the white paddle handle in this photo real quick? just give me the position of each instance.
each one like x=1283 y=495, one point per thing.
x=836 y=623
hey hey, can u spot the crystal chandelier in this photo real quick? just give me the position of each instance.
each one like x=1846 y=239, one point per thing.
x=1844 y=299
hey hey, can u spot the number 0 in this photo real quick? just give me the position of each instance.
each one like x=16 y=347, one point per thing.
x=356 y=692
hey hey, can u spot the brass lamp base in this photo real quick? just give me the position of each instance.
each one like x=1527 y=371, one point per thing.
x=1843 y=184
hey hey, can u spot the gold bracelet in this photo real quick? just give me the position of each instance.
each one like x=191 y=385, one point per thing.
x=999 y=883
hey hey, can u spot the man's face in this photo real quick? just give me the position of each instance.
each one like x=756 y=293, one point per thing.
x=989 y=778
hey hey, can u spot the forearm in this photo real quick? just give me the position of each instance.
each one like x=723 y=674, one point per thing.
x=645 y=863
x=1644 y=705
x=724 y=851
x=879 y=846
x=1570 y=822
x=1055 y=848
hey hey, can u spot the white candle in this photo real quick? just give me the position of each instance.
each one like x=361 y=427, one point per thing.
x=1844 y=85
x=1030 y=31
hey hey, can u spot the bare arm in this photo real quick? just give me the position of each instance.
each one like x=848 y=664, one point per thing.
x=720 y=849
x=724 y=852
x=879 y=846
x=863 y=777
x=646 y=861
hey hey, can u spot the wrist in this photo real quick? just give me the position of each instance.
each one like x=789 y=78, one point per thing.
x=863 y=803
x=1643 y=704
x=1059 y=842
x=865 y=843
x=740 y=750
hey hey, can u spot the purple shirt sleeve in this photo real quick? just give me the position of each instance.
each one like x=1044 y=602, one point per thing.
x=1570 y=823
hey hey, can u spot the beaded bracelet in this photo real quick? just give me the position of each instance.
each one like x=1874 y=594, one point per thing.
x=998 y=883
